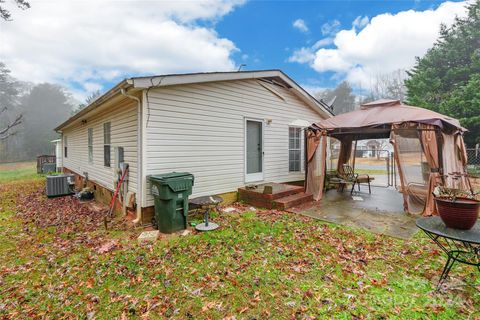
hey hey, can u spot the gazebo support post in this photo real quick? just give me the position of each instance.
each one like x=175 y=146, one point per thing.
x=440 y=146
x=354 y=155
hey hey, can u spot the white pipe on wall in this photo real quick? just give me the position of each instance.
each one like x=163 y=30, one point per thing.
x=138 y=199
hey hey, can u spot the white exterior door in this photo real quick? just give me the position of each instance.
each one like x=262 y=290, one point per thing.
x=253 y=150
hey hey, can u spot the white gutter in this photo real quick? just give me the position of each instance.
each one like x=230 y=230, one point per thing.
x=138 y=199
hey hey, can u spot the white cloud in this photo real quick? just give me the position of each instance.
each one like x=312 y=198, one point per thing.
x=313 y=89
x=322 y=43
x=387 y=43
x=300 y=24
x=307 y=54
x=95 y=41
x=360 y=22
x=329 y=28
x=92 y=86
x=302 y=55
x=330 y=60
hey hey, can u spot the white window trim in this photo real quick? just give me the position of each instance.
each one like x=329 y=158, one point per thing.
x=65 y=146
x=302 y=156
x=90 y=145
x=260 y=176
x=107 y=144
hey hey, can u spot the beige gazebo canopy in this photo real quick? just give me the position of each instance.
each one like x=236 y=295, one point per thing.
x=418 y=135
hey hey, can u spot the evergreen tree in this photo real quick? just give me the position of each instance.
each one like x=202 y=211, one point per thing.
x=447 y=78
x=45 y=107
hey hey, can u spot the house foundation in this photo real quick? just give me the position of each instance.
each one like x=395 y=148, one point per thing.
x=101 y=194
x=104 y=196
x=228 y=198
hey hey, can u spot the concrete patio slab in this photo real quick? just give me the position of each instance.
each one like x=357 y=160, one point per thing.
x=380 y=212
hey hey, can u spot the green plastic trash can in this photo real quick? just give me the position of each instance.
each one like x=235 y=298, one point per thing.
x=171 y=191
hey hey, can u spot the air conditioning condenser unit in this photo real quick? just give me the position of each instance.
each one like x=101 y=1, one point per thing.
x=60 y=185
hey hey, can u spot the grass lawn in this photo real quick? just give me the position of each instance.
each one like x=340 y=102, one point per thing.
x=57 y=261
x=18 y=171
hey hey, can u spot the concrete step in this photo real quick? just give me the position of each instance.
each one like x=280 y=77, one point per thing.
x=293 y=200
x=290 y=190
x=257 y=198
x=279 y=191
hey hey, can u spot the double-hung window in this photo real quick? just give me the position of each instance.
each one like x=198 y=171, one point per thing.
x=65 y=146
x=106 y=144
x=294 y=149
x=90 y=144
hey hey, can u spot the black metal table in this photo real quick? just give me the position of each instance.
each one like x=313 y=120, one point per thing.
x=206 y=203
x=461 y=246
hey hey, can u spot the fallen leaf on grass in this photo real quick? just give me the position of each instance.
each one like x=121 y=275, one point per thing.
x=107 y=247
x=243 y=310
x=90 y=283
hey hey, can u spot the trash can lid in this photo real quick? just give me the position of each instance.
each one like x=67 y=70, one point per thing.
x=172 y=175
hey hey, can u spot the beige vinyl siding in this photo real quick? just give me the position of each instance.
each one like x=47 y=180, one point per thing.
x=200 y=128
x=123 y=119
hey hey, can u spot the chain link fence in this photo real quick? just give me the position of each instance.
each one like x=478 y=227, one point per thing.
x=473 y=167
x=473 y=164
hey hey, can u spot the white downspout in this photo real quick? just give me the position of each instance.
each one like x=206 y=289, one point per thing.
x=138 y=199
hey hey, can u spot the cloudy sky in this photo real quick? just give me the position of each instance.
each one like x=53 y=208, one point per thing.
x=88 y=45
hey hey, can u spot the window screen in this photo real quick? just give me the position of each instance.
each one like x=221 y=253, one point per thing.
x=90 y=145
x=65 y=146
x=106 y=144
x=294 y=149
x=120 y=156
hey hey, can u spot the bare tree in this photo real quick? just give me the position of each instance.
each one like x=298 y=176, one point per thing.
x=88 y=100
x=9 y=92
x=6 y=15
x=8 y=130
x=389 y=86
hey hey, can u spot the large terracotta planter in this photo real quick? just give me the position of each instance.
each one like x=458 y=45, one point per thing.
x=459 y=214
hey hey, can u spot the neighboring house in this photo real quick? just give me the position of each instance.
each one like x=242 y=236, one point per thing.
x=375 y=148
x=229 y=129
x=58 y=153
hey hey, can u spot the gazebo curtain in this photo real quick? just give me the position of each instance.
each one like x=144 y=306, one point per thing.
x=428 y=138
x=316 y=159
x=454 y=161
x=417 y=143
x=345 y=152
x=462 y=159
x=413 y=169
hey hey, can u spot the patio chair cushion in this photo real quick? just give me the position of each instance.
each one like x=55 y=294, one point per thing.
x=355 y=179
x=363 y=178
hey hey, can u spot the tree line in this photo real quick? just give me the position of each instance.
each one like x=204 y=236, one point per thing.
x=445 y=80
x=383 y=86
x=28 y=114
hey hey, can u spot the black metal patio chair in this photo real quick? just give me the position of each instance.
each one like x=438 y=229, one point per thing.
x=355 y=179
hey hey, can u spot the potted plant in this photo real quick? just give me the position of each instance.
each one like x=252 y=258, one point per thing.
x=457 y=208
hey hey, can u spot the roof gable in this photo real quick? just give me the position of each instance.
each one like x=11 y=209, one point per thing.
x=270 y=75
x=141 y=83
